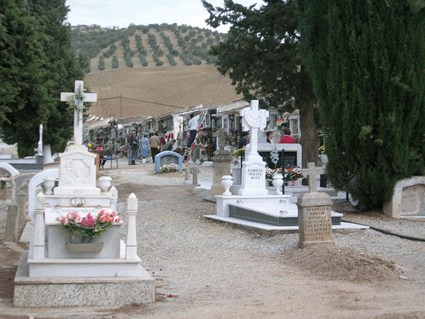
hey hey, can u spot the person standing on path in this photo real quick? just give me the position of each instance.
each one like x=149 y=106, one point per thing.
x=145 y=147
x=133 y=143
x=155 y=144
x=193 y=126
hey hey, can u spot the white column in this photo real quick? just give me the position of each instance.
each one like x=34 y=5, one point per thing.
x=114 y=197
x=131 y=249
x=40 y=202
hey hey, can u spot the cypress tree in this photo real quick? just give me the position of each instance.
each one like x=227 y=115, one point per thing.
x=367 y=61
x=24 y=101
x=63 y=68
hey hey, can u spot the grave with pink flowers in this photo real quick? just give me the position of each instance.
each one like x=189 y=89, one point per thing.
x=77 y=256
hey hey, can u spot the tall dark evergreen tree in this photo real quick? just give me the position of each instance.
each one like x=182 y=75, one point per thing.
x=367 y=61
x=261 y=56
x=63 y=68
x=24 y=101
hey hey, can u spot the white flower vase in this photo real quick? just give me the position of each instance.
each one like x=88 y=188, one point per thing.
x=105 y=183
x=278 y=182
x=49 y=183
x=227 y=182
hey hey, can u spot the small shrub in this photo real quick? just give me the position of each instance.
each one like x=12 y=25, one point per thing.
x=115 y=63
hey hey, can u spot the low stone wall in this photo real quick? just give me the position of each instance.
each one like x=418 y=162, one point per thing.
x=408 y=199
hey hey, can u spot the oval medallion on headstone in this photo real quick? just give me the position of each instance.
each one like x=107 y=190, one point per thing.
x=77 y=202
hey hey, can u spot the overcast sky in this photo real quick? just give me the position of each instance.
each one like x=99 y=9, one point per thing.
x=121 y=13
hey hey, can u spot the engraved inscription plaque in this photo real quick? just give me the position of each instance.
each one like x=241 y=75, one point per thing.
x=314 y=219
x=317 y=223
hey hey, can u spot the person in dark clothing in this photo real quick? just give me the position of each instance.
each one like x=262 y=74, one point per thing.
x=133 y=143
x=168 y=146
x=243 y=140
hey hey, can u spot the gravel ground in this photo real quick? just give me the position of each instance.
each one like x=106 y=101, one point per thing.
x=208 y=269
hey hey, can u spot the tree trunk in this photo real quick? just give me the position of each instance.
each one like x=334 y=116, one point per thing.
x=306 y=101
x=309 y=139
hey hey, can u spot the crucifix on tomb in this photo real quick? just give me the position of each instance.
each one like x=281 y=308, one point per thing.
x=221 y=136
x=253 y=120
x=312 y=171
x=76 y=100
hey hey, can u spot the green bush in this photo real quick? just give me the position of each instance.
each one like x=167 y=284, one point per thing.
x=128 y=61
x=171 y=59
x=143 y=60
x=157 y=60
x=101 y=64
x=115 y=63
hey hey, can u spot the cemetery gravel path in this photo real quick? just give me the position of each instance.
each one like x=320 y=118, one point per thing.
x=208 y=269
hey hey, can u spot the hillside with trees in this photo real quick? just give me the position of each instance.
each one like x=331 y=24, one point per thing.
x=144 y=46
x=151 y=70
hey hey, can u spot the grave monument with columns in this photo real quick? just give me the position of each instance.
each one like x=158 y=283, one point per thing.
x=104 y=272
x=253 y=201
x=254 y=206
x=253 y=168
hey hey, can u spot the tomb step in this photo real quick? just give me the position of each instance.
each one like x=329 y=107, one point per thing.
x=272 y=214
x=49 y=291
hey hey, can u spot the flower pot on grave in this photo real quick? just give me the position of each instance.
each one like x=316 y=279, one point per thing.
x=84 y=247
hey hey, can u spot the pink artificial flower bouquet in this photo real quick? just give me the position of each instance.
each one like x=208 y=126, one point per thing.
x=88 y=226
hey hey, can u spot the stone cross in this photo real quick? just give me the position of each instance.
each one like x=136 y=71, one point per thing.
x=76 y=99
x=312 y=171
x=221 y=136
x=40 y=141
x=253 y=119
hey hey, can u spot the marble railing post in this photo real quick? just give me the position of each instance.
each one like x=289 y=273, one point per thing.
x=131 y=249
x=40 y=202
x=114 y=197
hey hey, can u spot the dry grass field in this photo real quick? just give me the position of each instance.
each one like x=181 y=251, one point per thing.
x=179 y=86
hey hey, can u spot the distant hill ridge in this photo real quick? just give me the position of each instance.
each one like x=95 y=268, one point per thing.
x=144 y=46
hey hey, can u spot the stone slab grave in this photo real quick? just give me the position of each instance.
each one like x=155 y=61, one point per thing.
x=278 y=214
x=254 y=207
x=29 y=163
x=166 y=158
x=408 y=200
x=103 y=271
x=17 y=207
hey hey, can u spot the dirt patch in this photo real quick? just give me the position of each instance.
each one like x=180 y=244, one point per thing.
x=209 y=269
x=329 y=261
x=147 y=193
